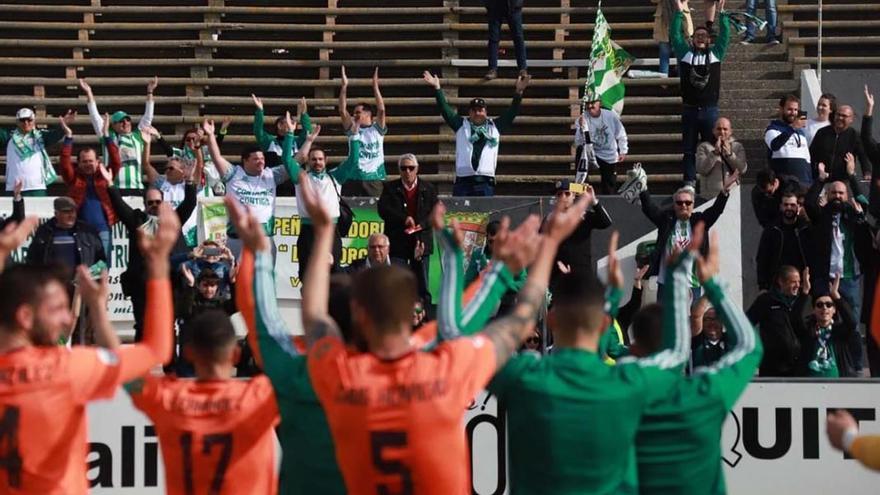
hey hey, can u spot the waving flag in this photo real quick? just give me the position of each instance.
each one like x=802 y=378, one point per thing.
x=608 y=63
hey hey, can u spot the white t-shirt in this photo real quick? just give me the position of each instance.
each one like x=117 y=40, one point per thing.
x=371 y=160
x=257 y=192
x=30 y=169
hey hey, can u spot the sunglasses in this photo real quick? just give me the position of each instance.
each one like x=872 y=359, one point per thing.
x=26 y=120
x=154 y=202
x=533 y=340
x=684 y=203
x=407 y=168
x=824 y=304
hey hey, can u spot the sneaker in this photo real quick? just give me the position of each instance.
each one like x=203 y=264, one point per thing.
x=747 y=41
x=774 y=41
x=492 y=74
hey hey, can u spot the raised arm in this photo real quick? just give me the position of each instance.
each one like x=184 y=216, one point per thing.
x=507 y=332
x=255 y=297
x=719 y=48
x=65 y=161
x=13 y=235
x=92 y=105
x=263 y=138
x=843 y=434
x=449 y=114
x=317 y=322
x=156 y=346
x=676 y=35
x=147 y=118
x=343 y=101
x=380 y=102
x=505 y=121
x=147 y=134
x=222 y=164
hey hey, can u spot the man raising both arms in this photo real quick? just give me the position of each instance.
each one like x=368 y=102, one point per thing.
x=49 y=384
x=369 y=123
x=395 y=413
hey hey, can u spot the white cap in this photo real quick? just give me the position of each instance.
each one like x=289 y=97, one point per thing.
x=24 y=113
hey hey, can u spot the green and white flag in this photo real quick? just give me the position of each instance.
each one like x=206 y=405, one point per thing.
x=608 y=63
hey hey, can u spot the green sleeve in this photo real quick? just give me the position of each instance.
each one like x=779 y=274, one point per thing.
x=505 y=380
x=452 y=118
x=348 y=169
x=505 y=121
x=291 y=165
x=676 y=36
x=610 y=343
x=134 y=387
x=276 y=348
x=305 y=128
x=52 y=135
x=4 y=137
x=723 y=41
x=454 y=321
x=263 y=139
x=475 y=266
x=733 y=372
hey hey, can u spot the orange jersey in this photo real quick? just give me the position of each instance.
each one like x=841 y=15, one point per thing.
x=43 y=394
x=398 y=424
x=217 y=437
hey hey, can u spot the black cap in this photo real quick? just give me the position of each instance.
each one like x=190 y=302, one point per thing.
x=64 y=203
x=563 y=185
x=477 y=103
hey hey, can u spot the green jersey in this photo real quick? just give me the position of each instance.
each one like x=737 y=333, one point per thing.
x=677 y=445
x=573 y=419
x=308 y=463
x=271 y=142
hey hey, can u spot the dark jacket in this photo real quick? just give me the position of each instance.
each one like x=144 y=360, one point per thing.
x=766 y=208
x=77 y=183
x=496 y=7
x=664 y=220
x=699 y=71
x=872 y=150
x=360 y=265
x=17 y=213
x=392 y=209
x=575 y=251
x=89 y=247
x=830 y=148
x=770 y=250
x=133 y=278
x=778 y=321
x=843 y=329
x=821 y=233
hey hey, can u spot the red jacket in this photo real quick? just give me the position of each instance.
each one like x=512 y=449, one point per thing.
x=77 y=183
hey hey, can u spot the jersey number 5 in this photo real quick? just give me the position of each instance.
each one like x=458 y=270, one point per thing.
x=208 y=442
x=10 y=459
x=379 y=440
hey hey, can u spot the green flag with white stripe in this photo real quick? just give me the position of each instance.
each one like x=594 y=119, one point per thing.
x=608 y=63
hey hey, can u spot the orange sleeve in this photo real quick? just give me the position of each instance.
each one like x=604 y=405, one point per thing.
x=866 y=448
x=472 y=364
x=244 y=300
x=322 y=365
x=156 y=347
x=146 y=393
x=875 y=314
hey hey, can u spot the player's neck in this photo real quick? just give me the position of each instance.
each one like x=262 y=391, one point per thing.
x=11 y=340
x=213 y=371
x=588 y=341
x=391 y=345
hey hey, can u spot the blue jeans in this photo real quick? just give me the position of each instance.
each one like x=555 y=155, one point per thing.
x=665 y=54
x=497 y=14
x=769 y=12
x=466 y=186
x=107 y=242
x=696 y=126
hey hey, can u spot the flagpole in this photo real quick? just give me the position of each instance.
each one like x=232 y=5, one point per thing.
x=819 y=49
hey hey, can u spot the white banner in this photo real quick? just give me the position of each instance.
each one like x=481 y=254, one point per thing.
x=773 y=442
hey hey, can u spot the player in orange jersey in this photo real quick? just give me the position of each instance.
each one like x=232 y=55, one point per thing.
x=396 y=413
x=44 y=387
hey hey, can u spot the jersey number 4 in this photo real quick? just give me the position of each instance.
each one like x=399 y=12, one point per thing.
x=379 y=440
x=10 y=459
x=224 y=440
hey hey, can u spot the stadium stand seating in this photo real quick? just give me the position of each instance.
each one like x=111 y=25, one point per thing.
x=211 y=55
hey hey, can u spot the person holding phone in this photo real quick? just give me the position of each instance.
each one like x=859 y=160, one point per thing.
x=787 y=140
x=211 y=255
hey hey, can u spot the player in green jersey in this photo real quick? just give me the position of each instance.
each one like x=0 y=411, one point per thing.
x=572 y=418
x=308 y=463
x=677 y=445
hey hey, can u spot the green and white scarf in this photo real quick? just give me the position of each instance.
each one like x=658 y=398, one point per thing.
x=27 y=145
x=478 y=131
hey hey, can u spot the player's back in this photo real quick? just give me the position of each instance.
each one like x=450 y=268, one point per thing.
x=572 y=420
x=43 y=393
x=398 y=424
x=678 y=444
x=216 y=436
